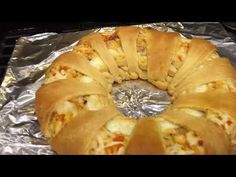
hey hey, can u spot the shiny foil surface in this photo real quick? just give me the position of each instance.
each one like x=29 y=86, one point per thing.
x=19 y=129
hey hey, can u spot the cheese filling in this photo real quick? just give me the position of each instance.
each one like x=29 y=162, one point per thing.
x=113 y=137
x=120 y=126
x=142 y=49
x=97 y=63
x=178 y=58
x=108 y=143
x=227 y=85
x=180 y=140
x=94 y=59
x=68 y=110
x=63 y=114
x=223 y=120
x=61 y=72
x=114 y=46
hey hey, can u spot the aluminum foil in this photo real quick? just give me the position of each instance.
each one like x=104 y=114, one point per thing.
x=138 y=99
x=19 y=129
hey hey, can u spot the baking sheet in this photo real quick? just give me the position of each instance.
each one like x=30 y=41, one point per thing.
x=19 y=129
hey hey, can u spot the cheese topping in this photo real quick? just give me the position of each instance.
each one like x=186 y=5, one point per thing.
x=165 y=125
x=67 y=107
x=179 y=140
x=227 y=85
x=95 y=102
x=86 y=79
x=193 y=112
x=114 y=47
x=179 y=58
x=61 y=72
x=120 y=126
x=223 y=120
x=108 y=143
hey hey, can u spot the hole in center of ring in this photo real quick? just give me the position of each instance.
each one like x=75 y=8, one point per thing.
x=138 y=98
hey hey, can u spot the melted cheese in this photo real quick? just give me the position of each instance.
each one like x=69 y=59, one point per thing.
x=178 y=149
x=95 y=102
x=67 y=107
x=165 y=125
x=68 y=111
x=193 y=112
x=191 y=139
x=214 y=118
x=120 y=126
x=98 y=63
x=86 y=79
x=58 y=76
x=176 y=140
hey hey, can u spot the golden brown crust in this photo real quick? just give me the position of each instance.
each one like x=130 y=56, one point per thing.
x=217 y=101
x=97 y=43
x=75 y=137
x=161 y=49
x=217 y=69
x=79 y=63
x=214 y=138
x=128 y=37
x=146 y=138
x=50 y=95
x=198 y=53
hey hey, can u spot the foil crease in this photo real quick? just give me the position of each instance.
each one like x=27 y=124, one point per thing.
x=19 y=130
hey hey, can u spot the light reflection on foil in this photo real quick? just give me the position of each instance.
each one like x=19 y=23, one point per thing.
x=139 y=99
x=19 y=129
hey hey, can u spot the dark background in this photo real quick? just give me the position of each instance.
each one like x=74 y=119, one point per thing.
x=10 y=32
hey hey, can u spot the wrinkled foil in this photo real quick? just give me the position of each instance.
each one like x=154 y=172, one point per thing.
x=19 y=129
x=138 y=99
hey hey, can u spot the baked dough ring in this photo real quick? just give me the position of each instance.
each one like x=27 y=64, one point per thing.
x=199 y=51
x=213 y=70
x=50 y=95
x=97 y=43
x=76 y=111
x=79 y=63
x=76 y=136
x=160 y=56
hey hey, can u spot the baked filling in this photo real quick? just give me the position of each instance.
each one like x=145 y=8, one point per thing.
x=64 y=72
x=94 y=59
x=141 y=44
x=180 y=140
x=178 y=58
x=115 y=48
x=223 y=120
x=112 y=138
x=227 y=85
x=66 y=111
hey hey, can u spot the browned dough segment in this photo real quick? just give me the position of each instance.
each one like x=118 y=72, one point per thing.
x=146 y=138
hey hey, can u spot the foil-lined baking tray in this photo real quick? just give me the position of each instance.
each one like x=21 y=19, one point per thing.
x=19 y=129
